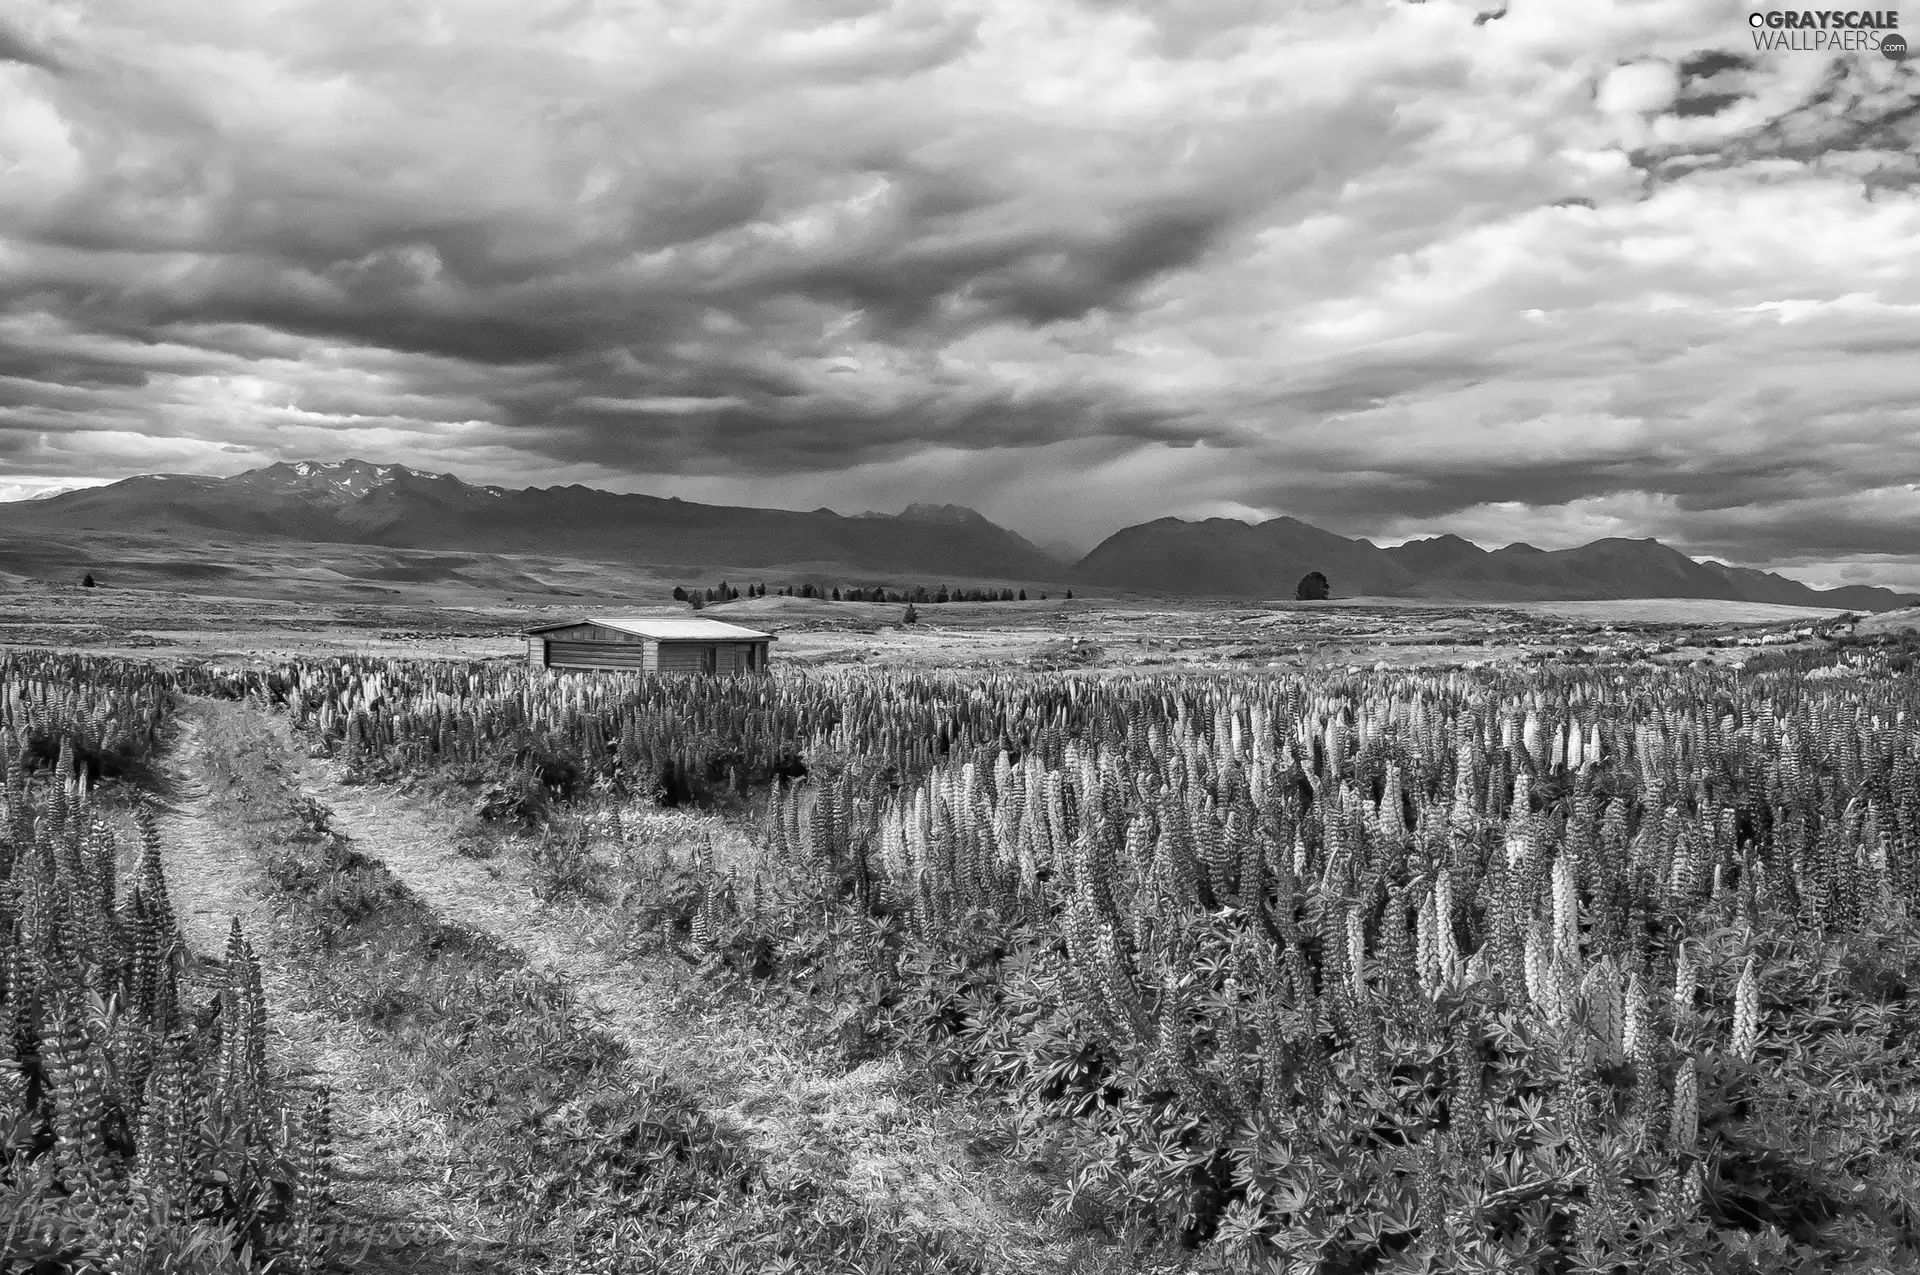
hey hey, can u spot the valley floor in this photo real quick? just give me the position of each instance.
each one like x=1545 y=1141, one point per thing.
x=1101 y=632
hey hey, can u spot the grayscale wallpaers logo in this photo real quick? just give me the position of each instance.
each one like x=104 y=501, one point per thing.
x=1830 y=31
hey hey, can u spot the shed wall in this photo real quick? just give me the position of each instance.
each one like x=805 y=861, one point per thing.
x=585 y=646
x=702 y=657
x=608 y=655
x=593 y=633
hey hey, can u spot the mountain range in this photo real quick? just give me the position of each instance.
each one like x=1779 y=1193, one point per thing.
x=355 y=503
x=1223 y=556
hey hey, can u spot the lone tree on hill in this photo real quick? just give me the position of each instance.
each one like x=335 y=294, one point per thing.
x=88 y=583
x=1312 y=588
x=911 y=617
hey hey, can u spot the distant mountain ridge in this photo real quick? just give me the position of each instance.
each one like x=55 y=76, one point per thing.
x=1229 y=558
x=354 y=502
x=1222 y=556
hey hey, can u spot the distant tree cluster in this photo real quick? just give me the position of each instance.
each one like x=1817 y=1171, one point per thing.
x=1313 y=587
x=725 y=593
x=919 y=593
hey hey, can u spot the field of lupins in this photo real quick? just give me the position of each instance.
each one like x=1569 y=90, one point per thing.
x=139 y=1129
x=1598 y=968
x=1576 y=970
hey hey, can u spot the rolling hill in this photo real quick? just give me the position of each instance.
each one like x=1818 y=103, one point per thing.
x=1610 y=568
x=1224 y=557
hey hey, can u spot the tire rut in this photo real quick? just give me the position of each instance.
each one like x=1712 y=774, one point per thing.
x=897 y=1155
x=392 y=1151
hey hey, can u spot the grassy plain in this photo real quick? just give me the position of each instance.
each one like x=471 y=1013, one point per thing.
x=281 y=602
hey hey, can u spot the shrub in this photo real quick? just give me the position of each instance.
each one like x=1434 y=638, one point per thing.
x=563 y=866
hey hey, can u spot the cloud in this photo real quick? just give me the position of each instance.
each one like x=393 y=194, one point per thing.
x=1390 y=267
x=41 y=488
x=16 y=46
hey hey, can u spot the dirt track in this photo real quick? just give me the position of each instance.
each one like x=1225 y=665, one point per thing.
x=392 y=1150
x=864 y=1125
x=895 y=1151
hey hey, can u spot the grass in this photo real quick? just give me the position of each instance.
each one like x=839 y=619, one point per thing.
x=946 y=1160
x=602 y=1163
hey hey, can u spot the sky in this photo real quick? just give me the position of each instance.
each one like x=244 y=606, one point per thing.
x=1546 y=273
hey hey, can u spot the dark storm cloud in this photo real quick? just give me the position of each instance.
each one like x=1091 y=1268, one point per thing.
x=773 y=434
x=1031 y=276
x=1808 y=535
x=1710 y=82
x=77 y=373
x=16 y=47
x=1850 y=111
x=1065 y=281
x=1369 y=383
x=1431 y=492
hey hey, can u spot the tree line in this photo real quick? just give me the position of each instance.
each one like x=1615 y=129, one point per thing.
x=919 y=593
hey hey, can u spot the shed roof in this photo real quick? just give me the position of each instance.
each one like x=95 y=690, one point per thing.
x=668 y=629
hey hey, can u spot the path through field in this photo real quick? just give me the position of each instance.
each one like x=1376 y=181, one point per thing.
x=393 y=1153
x=897 y=1154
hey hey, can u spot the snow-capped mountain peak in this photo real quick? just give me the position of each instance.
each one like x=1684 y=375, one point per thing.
x=341 y=479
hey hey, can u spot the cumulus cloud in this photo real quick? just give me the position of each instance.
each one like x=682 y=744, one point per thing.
x=1390 y=267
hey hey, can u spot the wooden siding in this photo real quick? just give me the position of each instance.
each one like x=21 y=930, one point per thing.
x=563 y=650
x=607 y=655
x=703 y=657
x=594 y=633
